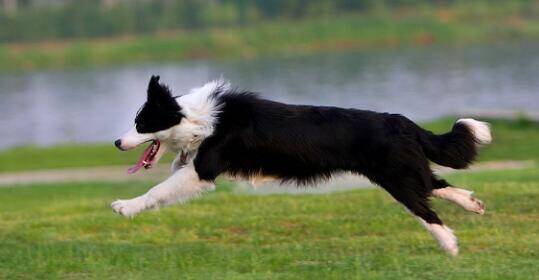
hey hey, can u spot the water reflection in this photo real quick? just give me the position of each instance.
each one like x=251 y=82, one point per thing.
x=97 y=105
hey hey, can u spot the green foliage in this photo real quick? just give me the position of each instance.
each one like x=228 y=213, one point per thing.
x=68 y=231
x=350 y=32
x=91 y=19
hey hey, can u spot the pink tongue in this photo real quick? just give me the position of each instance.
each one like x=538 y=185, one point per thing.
x=141 y=160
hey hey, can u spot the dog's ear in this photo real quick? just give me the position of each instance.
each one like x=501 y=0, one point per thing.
x=154 y=81
x=156 y=92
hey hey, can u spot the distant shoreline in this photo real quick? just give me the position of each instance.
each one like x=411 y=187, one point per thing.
x=344 y=33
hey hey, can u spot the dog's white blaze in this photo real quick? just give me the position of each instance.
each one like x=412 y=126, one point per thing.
x=480 y=130
x=445 y=237
x=182 y=186
x=461 y=197
x=132 y=138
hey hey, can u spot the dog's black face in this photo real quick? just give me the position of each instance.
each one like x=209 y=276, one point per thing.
x=160 y=112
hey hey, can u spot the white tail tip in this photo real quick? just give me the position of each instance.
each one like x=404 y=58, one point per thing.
x=480 y=130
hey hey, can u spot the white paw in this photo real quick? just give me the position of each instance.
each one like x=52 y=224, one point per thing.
x=469 y=202
x=461 y=197
x=445 y=237
x=448 y=241
x=128 y=208
x=475 y=205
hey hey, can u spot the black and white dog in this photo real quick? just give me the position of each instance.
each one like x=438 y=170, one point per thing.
x=216 y=129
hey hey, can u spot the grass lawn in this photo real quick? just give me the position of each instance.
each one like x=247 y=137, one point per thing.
x=69 y=231
x=518 y=140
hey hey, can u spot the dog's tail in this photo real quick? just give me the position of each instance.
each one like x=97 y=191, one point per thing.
x=459 y=147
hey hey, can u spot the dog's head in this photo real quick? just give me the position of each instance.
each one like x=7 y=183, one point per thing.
x=153 y=123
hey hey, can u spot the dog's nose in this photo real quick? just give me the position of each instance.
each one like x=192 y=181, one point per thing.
x=118 y=144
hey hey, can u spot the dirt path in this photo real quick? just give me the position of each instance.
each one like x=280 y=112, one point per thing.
x=119 y=174
x=86 y=174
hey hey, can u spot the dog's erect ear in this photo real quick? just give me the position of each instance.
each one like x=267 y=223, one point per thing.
x=156 y=92
x=159 y=97
x=154 y=81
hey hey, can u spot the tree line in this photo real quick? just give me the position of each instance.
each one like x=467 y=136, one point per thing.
x=27 y=20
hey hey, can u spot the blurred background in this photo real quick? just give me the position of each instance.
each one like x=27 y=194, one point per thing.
x=76 y=71
x=73 y=74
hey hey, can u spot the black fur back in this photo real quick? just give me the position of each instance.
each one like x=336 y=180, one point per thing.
x=254 y=136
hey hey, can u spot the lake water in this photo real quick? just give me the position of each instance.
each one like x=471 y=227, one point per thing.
x=51 y=107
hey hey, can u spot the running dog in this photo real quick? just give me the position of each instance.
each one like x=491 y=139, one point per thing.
x=216 y=129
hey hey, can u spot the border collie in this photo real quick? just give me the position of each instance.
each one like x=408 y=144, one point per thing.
x=216 y=129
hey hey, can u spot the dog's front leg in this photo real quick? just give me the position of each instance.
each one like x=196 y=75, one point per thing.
x=183 y=185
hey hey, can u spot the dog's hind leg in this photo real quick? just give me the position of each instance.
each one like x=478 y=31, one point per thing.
x=407 y=177
x=461 y=197
x=417 y=203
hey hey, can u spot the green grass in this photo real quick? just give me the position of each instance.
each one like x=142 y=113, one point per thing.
x=66 y=156
x=462 y=24
x=68 y=231
x=517 y=140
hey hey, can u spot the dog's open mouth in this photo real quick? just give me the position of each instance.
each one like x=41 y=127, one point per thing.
x=148 y=157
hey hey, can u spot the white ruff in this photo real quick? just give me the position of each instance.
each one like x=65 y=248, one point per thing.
x=199 y=104
x=200 y=109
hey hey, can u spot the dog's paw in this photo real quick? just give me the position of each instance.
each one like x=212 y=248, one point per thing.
x=463 y=198
x=469 y=202
x=476 y=206
x=128 y=208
